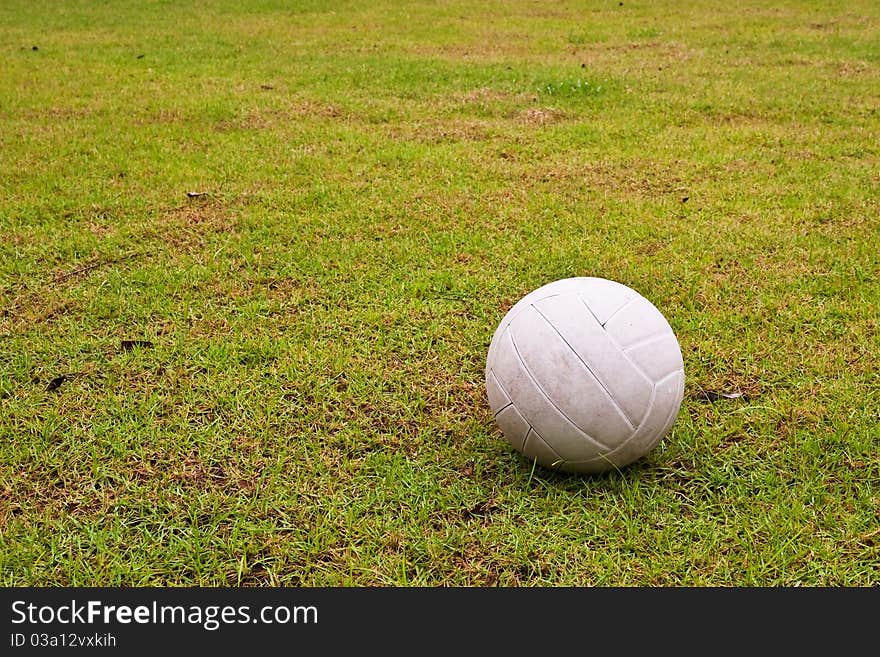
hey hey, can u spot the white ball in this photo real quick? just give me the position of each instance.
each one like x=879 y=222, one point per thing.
x=584 y=375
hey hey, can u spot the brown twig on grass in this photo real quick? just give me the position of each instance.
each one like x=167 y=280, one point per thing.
x=94 y=265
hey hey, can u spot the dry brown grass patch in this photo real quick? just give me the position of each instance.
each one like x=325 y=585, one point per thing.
x=187 y=227
x=538 y=116
x=636 y=178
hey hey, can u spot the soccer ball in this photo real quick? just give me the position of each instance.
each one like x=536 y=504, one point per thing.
x=584 y=375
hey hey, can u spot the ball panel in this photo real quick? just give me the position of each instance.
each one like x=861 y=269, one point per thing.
x=623 y=382
x=568 y=440
x=603 y=297
x=663 y=410
x=658 y=357
x=565 y=380
x=498 y=399
x=536 y=448
x=549 y=290
x=673 y=384
x=594 y=465
x=665 y=404
x=513 y=426
x=636 y=321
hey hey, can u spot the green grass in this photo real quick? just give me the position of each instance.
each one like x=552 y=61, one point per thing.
x=380 y=183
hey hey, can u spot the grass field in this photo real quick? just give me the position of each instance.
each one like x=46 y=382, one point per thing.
x=252 y=255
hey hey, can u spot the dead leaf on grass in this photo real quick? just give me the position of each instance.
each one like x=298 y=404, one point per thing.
x=715 y=395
